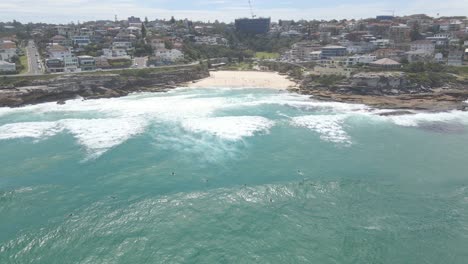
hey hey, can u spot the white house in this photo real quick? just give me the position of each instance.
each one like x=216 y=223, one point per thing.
x=7 y=66
x=439 y=57
x=110 y=53
x=70 y=63
x=426 y=46
x=7 y=50
x=381 y=43
x=360 y=59
x=121 y=45
x=211 y=40
x=455 y=58
x=168 y=55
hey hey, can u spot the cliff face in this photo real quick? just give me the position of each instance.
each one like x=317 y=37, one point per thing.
x=96 y=85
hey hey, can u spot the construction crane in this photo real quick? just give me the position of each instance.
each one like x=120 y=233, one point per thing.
x=251 y=9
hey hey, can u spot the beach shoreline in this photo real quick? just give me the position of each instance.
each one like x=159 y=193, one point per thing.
x=244 y=79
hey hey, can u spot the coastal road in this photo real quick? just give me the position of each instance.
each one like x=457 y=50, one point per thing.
x=107 y=70
x=34 y=60
x=140 y=62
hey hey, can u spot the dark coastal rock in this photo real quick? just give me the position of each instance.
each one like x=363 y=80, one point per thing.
x=388 y=90
x=50 y=88
x=396 y=113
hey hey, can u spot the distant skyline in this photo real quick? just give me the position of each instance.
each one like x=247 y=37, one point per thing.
x=65 y=11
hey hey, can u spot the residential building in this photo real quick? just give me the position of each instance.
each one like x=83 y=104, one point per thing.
x=59 y=40
x=7 y=50
x=102 y=63
x=333 y=51
x=439 y=58
x=70 y=63
x=211 y=40
x=168 y=55
x=455 y=58
x=134 y=21
x=360 y=47
x=302 y=51
x=86 y=32
x=253 y=26
x=360 y=59
x=381 y=43
x=393 y=54
x=385 y=17
x=134 y=30
x=110 y=53
x=6 y=67
x=58 y=51
x=419 y=55
x=315 y=55
x=64 y=30
x=55 y=65
x=157 y=43
x=87 y=63
x=400 y=34
x=81 y=41
x=427 y=46
x=122 y=45
x=125 y=37
x=440 y=40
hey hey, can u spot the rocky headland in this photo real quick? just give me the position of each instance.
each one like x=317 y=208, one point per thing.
x=17 y=91
x=388 y=90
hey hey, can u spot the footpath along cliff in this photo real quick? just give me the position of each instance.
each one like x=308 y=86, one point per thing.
x=22 y=90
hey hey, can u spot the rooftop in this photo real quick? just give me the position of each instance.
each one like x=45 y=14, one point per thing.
x=334 y=47
x=385 y=61
x=6 y=63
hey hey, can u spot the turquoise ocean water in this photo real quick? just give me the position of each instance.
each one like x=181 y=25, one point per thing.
x=231 y=176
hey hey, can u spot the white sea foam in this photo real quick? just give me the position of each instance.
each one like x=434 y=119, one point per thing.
x=100 y=135
x=304 y=102
x=330 y=127
x=35 y=130
x=230 y=127
x=419 y=118
x=115 y=120
x=96 y=135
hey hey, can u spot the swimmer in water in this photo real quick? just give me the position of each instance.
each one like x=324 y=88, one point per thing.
x=300 y=172
x=173 y=173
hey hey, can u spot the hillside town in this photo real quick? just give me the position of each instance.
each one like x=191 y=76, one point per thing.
x=334 y=47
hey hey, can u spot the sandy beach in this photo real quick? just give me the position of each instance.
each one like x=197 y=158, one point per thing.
x=244 y=79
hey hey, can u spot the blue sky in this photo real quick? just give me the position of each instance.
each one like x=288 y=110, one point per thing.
x=64 y=11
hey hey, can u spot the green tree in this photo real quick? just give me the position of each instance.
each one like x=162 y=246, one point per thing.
x=168 y=44
x=415 y=32
x=143 y=30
